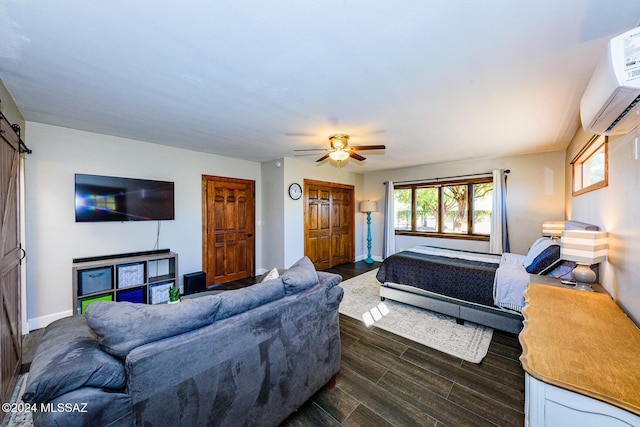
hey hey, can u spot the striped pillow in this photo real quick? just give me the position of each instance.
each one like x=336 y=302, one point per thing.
x=543 y=254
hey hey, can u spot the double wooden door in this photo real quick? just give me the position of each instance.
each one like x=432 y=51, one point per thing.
x=10 y=252
x=228 y=241
x=329 y=223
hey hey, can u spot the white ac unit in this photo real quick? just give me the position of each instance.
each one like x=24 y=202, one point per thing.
x=611 y=103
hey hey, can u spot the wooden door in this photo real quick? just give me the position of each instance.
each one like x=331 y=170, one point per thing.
x=317 y=221
x=228 y=241
x=342 y=218
x=328 y=223
x=10 y=329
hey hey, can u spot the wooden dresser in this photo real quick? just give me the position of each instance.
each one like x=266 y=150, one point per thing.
x=581 y=356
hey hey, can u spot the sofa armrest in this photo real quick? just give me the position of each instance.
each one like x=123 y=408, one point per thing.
x=332 y=291
x=85 y=406
x=329 y=280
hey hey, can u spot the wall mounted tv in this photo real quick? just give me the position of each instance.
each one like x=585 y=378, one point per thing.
x=109 y=198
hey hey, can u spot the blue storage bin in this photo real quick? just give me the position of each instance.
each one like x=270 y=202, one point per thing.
x=95 y=280
x=137 y=295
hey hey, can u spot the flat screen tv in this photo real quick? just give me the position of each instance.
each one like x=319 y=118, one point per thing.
x=109 y=198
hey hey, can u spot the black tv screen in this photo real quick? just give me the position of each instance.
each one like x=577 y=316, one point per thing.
x=109 y=198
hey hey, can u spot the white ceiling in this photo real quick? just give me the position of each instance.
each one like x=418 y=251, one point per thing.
x=433 y=80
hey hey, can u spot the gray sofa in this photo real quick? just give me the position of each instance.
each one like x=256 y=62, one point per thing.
x=248 y=357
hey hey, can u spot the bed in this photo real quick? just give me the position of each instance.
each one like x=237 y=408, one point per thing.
x=478 y=287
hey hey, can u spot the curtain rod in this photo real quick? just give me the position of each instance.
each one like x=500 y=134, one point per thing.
x=446 y=177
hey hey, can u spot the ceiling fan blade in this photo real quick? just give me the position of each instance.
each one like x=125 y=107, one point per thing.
x=369 y=133
x=367 y=147
x=301 y=134
x=322 y=158
x=356 y=156
x=312 y=149
x=304 y=154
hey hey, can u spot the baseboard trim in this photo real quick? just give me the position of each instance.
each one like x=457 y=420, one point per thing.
x=373 y=257
x=43 y=321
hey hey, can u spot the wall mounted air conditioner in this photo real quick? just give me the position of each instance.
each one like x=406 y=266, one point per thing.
x=611 y=103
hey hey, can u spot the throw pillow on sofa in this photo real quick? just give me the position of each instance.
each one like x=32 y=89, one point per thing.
x=69 y=358
x=123 y=326
x=300 y=276
x=240 y=300
x=270 y=275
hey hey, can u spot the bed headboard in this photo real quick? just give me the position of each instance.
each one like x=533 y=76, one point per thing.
x=577 y=225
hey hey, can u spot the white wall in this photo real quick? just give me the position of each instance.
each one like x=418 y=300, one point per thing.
x=616 y=209
x=535 y=193
x=54 y=238
x=272 y=223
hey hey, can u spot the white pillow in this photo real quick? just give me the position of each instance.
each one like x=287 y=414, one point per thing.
x=533 y=253
x=273 y=274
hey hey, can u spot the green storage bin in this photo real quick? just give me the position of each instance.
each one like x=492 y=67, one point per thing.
x=84 y=302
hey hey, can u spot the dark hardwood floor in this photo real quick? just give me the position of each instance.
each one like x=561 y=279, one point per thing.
x=387 y=380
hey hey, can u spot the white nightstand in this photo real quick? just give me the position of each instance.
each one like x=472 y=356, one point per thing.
x=580 y=359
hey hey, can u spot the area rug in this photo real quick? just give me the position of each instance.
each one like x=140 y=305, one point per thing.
x=468 y=342
x=15 y=416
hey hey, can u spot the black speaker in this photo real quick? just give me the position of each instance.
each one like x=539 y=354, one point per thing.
x=195 y=282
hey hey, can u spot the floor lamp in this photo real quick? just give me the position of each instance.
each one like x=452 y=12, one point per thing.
x=367 y=206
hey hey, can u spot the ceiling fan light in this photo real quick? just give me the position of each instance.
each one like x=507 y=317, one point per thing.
x=339 y=155
x=339 y=141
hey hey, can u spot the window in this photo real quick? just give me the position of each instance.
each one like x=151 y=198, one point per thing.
x=402 y=208
x=482 y=207
x=427 y=209
x=454 y=209
x=445 y=209
x=590 y=166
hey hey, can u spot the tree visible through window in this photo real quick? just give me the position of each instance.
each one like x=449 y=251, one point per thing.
x=454 y=209
x=444 y=209
x=427 y=209
x=482 y=207
x=402 y=208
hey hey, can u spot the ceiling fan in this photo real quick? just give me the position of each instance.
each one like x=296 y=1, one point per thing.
x=341 y=150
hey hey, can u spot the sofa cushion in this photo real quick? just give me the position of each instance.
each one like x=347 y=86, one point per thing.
x=123 y=326
x=302 y=275
x=244 y=299
x=68 y=358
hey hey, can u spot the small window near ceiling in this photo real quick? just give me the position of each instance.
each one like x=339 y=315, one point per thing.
x=590 y=166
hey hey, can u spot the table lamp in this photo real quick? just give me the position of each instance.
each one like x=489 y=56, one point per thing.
x=367 y=206
x=585 y=248
x=552 y=229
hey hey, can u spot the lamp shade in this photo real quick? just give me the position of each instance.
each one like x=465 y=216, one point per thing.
x=368 y=206
x=339 y=155
x=586 y=247
x=552 y=228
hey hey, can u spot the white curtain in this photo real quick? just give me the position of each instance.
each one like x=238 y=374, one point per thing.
x=389 y=241
x=499 y=240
